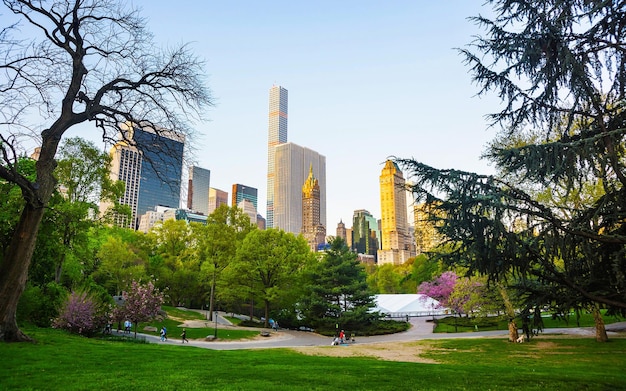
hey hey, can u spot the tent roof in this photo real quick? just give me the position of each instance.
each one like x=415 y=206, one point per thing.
x=406 y=303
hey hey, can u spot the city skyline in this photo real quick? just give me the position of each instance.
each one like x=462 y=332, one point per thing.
x=366 y=81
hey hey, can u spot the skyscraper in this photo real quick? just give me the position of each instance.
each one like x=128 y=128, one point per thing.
x=277 y=134
x=341 y=231
x=198 y=190
x=243 y=192
x=126 y=167
x=397 y=245
x=312 y=230
x=150 y=162
x=365 y=233
x=162 y=168
x=292 y=164
x=217 y=197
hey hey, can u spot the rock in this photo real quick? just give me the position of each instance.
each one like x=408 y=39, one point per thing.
x=210 y=338
x=150 y=328
x=265 y=334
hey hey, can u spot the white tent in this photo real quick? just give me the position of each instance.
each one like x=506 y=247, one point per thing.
x=400 y=306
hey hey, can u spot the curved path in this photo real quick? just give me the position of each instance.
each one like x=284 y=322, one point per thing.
x=420 y=329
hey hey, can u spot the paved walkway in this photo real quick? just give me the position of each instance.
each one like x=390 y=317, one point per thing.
x=420 y=329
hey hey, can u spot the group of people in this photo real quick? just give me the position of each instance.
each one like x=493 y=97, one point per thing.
x=127 y=326
x=339 y=339
x=164 y=335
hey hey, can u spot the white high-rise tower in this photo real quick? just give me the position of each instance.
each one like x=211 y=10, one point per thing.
x=277 y=134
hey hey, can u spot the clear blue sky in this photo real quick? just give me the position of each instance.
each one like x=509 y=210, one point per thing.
x=366 y=80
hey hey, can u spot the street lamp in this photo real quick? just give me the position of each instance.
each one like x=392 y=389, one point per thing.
x=215 y=333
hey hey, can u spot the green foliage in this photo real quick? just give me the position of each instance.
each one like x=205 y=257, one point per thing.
x=336 y=292
x=12 y=201
x=268 y=266
x=40 y=304
x=552 y=221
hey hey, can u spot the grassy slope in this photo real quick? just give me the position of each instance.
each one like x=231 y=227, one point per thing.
x=62 y=361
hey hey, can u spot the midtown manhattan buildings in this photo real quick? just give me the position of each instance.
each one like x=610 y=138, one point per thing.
x=312 y=229
x=292 y=166
x=397 y=245
x=150 y=162
x=198 y=190
x=217 y=197
x=277 y=134
x=242 y=192
x=365 y=233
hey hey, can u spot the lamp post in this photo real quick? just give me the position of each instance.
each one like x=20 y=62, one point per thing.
x=215 y=333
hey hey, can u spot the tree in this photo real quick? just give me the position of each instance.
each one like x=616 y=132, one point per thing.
x=141 y=303
x=216 y=243
x=268 y=263
x=92 y=62
x=81 y=314
x=559 y=68
x=83 y=176
x=178 y=270
x=336 y=292
x=119 y=265
x=440 y=288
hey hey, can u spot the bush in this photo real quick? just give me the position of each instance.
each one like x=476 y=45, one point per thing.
x=39 y=305
x=81 y=314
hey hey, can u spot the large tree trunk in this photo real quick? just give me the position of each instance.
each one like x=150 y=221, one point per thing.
x=513 y=334
x=14 y=272
x=601 y=335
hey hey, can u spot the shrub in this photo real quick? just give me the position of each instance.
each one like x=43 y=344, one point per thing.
x=80 y=315
x=39 y=304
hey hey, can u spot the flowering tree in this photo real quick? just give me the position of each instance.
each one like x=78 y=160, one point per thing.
x=469 y=295
x=79 y=315
x=440 y=288
x=141 y=303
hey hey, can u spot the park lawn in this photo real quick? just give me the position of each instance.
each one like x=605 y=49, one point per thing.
x=459 y=325
x=176 y=317
x=62 y=361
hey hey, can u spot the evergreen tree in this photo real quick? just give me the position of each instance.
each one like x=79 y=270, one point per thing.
x=337 y=294
x=560 y=70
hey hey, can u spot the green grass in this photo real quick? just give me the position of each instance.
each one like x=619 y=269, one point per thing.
x=174 y=328
x=62 y=361
x=455 y=324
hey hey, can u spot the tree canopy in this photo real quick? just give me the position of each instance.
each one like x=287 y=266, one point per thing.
x=78 y=62
x=559 y=68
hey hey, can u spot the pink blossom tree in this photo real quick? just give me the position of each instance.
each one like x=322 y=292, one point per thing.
x=79 y=315
x=440 y=288
x=141 y=303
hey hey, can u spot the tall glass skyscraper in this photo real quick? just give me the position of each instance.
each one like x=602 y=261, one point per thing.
x=162 y=168
x=277 y=134
x=198 y=189
x=150 y=163
x=243 y=192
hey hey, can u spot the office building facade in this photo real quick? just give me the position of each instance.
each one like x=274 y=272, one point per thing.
x=277 y=134
x=217 y=197
x=397 y=246
x=242 y=192
x=198 y=190
x=312 y=229
x=365 y=233
x=150 y=162
x=292 y=165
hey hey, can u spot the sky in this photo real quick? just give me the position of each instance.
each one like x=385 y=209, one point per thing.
x=366 y=80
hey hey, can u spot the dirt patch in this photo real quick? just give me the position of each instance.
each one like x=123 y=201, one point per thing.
x=397 y=351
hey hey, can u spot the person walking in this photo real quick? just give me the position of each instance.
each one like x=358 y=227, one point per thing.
x=162 y=334
x=184 y=336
